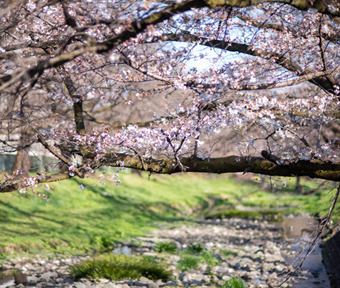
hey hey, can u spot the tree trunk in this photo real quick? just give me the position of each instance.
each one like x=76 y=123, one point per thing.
x=298 y=187
x=21 y=163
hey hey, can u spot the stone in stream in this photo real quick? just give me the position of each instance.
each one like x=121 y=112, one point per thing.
x=49 y=275
x=20 y=278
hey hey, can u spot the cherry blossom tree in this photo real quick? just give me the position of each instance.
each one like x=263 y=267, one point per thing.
x=172 y=86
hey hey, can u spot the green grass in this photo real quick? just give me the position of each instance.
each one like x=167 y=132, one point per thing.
x=119 y=267
x=234 y=283
x=195 y=248
x=76 y=221
x=194 y=255
x=208 y=258
x=228 y=253
x=188 y=262
x=169 y=247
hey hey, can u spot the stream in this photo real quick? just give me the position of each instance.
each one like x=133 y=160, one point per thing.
x=262 y=252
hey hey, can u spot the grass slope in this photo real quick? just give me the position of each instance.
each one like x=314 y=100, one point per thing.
x=77 y=221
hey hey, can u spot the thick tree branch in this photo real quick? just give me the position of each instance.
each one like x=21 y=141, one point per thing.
x=231 y=164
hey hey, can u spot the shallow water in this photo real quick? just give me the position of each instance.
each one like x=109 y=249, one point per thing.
x=299 y=229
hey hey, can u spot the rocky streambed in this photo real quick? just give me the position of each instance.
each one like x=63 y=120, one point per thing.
x=252 y=250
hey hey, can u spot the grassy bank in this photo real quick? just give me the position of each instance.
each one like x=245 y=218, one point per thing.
x=76 y=221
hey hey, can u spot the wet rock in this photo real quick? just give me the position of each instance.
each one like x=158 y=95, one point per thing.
x=128 y=282
x=59 y=280
x=268 y=266
x=172 y=283
x=226 y=277
x=6 y=266
x=139 y=284
x=111 y=285
x=79 y=285
x=33 y=280
x=48 y=275
x=144 y=280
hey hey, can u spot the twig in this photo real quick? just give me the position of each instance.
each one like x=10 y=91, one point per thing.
x=178 y=161
x=270 y=157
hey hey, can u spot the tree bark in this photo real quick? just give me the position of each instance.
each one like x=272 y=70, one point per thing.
x=21 y=163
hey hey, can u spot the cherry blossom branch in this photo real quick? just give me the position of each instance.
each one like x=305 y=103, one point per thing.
x=332 y=37
x=235 y=47
x=77 y=106
x=323 y=82
x=301 y=138
x=288 y=64
x=135 y=28
x=139 y=26
x=330 y=78
x=272 y=85
x=128 y=61
x=59 y=156
x=118 y=124
x=10 y=187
